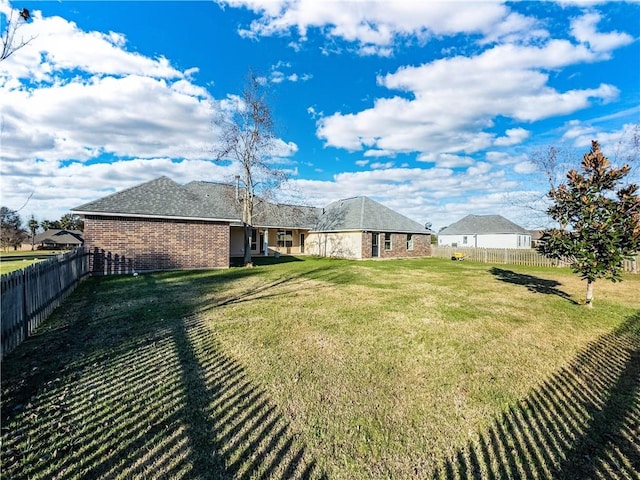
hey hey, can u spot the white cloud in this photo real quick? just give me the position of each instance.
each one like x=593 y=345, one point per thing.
x=450 y=102
x=584 y=30
x=79 y=111
x=479 y=168
x=56 y=188
x=283 y=149
x=278 y=76
x=620 y=144
x=503 y=158
x=447 y=160
x=438 y=195
x=513 y=136
x=379 y=153
x=515 y=28
x=66 y=48
x=525 y=167
x=376 y=27
x=127 y=116
x=381 y=165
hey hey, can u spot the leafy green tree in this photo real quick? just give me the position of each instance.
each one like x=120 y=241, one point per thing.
x=48 y=224
x=69 y=221
x=33 y=226
x=11 y=231
x=600 y=226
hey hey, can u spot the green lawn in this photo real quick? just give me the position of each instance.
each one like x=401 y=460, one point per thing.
x=13 y=265
x=328 y=368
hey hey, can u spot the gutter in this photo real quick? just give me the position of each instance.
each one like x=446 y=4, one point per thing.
x=161 y=217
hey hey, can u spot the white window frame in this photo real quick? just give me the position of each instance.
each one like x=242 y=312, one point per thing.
x=388 y=245
x=409 y=241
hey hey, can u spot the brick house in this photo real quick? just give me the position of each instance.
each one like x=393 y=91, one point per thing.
x=161 y=225
x=360 y=228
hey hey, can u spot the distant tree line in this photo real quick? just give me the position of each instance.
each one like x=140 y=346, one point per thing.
x=13 y=232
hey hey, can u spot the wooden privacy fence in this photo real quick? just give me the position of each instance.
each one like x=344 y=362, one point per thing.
x=512 y=256
x=31 y=294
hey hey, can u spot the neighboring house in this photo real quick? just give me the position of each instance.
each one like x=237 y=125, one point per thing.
x=484 y=231
x=363 y=228
x=536 y=237
x=161 y=225
x=55 y=239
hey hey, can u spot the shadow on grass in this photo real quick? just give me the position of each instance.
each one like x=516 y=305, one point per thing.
x=584 y=422
x=127 y=383
x=261 y=261
x=533 y=284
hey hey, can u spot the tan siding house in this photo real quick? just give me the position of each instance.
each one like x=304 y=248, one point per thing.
x=362 y=228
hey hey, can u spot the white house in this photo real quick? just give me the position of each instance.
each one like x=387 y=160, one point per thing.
x=484 y=231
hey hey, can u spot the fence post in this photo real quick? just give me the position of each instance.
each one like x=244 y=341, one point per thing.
x=25 y=309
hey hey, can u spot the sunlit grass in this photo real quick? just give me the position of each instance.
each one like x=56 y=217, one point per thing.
x=14 y=265
x=390 y=369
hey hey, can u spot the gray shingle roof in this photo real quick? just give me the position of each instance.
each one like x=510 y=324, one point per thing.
x=161 y=197
x=57 y=236
x=266 y=214
x=482 y=225
x=284 y=215
x=164 y=198
x=362 y=213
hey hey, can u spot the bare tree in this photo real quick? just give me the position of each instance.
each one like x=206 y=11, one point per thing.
x=627 y=152
x=553 y=162
x=10 y=43
x=248 y=139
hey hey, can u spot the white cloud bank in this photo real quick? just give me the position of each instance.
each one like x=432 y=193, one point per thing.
x=79 y=112
x=449 y=105
x=376 y=27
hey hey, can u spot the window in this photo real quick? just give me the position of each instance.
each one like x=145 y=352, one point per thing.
x=285 y=238
x=409 y=241
x=254 y=239
x=464 y=240
x=387 y=241
x=522 y=241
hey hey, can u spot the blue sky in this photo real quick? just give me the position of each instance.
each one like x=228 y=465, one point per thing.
x=432 y=108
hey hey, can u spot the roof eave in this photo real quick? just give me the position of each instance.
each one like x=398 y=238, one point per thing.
x=160 y=217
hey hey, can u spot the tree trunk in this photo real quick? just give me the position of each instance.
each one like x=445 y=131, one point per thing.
x=247 y=245
x=589 y=300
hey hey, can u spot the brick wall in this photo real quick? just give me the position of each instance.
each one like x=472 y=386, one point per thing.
x=156 y=244
x=421 y=245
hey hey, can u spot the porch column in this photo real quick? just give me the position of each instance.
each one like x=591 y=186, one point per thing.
x=266 y=242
